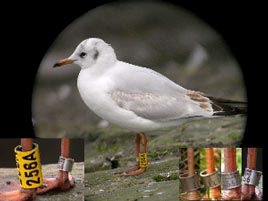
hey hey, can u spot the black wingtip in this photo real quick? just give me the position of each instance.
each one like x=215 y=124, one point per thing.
x=224 y=107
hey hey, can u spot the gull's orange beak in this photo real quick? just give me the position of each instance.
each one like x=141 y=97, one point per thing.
x=63 y=62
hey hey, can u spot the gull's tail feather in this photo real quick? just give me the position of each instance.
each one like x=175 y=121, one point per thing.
x=224 y=107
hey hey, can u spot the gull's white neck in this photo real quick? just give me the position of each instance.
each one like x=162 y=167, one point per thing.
x=106 y=61
x=92 y=83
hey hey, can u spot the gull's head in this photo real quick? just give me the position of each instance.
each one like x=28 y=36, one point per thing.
x=90 y=52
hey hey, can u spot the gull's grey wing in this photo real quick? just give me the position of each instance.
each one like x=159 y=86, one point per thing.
x=131 y=78
x=158 y=107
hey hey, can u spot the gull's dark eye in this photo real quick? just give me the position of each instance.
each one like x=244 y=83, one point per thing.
x=82 y=54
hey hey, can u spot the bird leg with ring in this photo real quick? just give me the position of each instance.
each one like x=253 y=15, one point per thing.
x=141 y=160
x=231 y=181
x=251 y=176
x=210 y=177
x=13 y=191
x=195 y=194
x=64 y=180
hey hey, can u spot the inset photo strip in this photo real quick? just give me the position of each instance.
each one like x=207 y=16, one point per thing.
x=41 y=169
x=221 y=174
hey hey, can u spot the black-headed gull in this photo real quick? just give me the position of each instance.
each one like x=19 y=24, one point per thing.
x=138 y=98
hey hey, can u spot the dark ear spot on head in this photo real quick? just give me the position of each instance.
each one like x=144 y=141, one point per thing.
x=96 y=54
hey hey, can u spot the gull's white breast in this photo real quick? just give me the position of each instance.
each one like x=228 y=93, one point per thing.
x=95 y=91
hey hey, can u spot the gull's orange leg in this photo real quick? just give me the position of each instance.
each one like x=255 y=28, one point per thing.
x=13 y=192
x=135 y=167
x=64 y=180
x=248 y=191
x=137 y=146
x=230 y=166
x=137 y=170
x=192 y=195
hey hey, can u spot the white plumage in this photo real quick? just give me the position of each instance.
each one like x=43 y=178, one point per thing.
x=130 y=96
